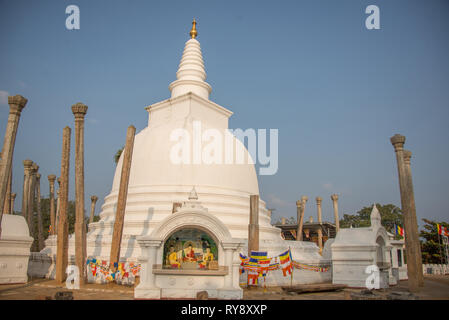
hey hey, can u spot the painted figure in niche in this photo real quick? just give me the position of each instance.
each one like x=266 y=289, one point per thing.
x=190 y=255
x=207 y=258
x=173 y=258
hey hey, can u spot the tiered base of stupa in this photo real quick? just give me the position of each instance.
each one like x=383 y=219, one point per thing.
x=150 y=209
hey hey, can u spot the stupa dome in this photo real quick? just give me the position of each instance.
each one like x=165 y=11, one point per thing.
x=157 y=183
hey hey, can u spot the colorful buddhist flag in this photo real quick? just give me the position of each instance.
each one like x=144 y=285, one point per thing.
x=442 y=230
x=287 y=269
x=252 y=277
x=258 y=254
x=285 y=257
x=264 y=266
x=398 y=230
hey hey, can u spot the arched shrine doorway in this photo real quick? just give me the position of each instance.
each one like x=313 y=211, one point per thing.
x=190 y=248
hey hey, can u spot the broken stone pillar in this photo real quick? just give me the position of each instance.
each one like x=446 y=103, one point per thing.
x=13 y=199
x=26 y=175
x=51 y=183
x=253 y=227
x=79 y=111
x=122 y=196
x=409 y=181
x=334 y=198
x=40 y=227
x=93 y=200
x=320 y=230
x=16 y=105
x=302 y=209
x=63 y=228
x=411 y=238
x=282 y=220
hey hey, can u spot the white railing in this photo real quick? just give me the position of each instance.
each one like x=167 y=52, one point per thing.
x=435 y=269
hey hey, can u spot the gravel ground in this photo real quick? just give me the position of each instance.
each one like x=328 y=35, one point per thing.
x=436 y=288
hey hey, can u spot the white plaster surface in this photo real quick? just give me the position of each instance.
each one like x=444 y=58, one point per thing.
x=15 y=243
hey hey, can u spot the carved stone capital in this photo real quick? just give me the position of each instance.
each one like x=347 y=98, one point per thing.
x=318 y=200
x=35 y=168
x=51 y=178
x=231 y=244
x=16 y=103
x=334 y=197
x=397 y=141
x=145 y=242
x=94 y=198
x=79 y=110
x=27 y=164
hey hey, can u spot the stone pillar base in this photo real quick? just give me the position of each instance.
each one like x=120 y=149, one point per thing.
x=147 y=293
x=230 y=294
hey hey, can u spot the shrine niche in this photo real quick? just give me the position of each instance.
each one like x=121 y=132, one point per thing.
x=190 y=249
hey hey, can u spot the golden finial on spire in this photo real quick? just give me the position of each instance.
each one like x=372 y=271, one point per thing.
x=193 y=32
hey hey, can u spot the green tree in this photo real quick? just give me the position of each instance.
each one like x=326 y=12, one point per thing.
x=432 y=248
x=45 y=212
x=118 y=154
x=390 y=214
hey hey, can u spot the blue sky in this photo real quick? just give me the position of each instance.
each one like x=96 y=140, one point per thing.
x=336 y=91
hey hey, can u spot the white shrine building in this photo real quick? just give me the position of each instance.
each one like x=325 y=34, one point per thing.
x=186 y=223
x=158 y=202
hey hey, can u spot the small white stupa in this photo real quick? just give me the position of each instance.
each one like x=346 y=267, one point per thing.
x=158 y=187
x=361 y=257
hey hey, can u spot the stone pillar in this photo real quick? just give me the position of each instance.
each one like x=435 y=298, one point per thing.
x=58 y=180
x=231 y=288
x=253 y=227
x=31 y=202
x=320 y=230
x=79 y=111
x=298 y=218
x=122 y=196
x=414 y=224
x=147 y=287
x=334 y=198
x=51 y=183
x=7 y=206
x=13 y=198
x=16 y=105
x=27 y=164
x=302 y=209
x=411 y=243
x=282 y=220
x=93 y=200
x=62 y=253
x=228 y=260
x=40 y=227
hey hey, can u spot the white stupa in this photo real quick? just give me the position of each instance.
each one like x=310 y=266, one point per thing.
x=156 y=183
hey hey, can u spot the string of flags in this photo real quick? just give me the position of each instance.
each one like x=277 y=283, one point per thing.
x=258 y=264
x=126 y=272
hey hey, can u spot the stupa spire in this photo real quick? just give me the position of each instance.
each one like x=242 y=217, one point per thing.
x=191 y=73
x=193 y=32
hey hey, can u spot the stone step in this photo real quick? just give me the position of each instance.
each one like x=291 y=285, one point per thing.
x=314 y=287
